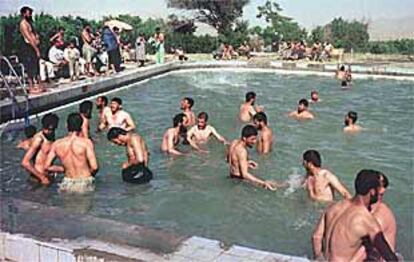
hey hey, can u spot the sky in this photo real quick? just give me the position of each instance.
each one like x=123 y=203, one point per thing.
x=309 y=13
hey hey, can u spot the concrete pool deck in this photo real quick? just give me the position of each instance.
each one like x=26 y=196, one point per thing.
x=72 y=92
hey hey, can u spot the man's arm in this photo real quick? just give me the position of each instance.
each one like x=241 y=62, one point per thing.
x=171 y=148
x=337 y=185
x=193 y=144
x=218 y=136
x=130 y=123
x=317 y=237
x=50 y=157
x=85 y=129
x=34 y=148
x=244 y=168
x=91 y=157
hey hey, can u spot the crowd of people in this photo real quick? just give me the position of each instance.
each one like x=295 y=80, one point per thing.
x=100 y=52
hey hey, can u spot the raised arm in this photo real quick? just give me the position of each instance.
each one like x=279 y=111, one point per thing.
x=337 y=185
x=26 y=161
x=91 y=157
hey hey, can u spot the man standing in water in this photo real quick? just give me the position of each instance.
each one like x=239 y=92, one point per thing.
x=117 y=117
x=103 y=109
x=77 y=155
x=302 y=112
x=321 y=183
x=248 y=109
x=30 y=52
x=35 y=158
x=350 y=120
x=200 y=133
x=85 y=111
x=357 y=227
x=186 y=105
x=265 y=141
x=238 y=158
x=171 y=137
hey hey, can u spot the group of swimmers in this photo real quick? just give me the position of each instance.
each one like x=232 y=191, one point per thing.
x=355 y=228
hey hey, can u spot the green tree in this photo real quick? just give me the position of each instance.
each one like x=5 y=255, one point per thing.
x=221 y=14
x=317 y=34
x=349 y=35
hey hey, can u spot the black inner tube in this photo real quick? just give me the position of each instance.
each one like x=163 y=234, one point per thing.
x=136 y=174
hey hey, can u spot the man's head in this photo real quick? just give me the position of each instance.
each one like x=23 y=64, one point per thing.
x=302 y=105
x=87 y=28
x=178 y=120
x=249 y=135
x=383 y=186
x=101 y=102
x=187 y=103
x=49 y=124
x=72 y=43
x=26 y=12
x=85 y=108
x=61 y=29
x=251 y=97
x=116 y=104
x=117 y=135
x=367 y=183
x=314 y=95
x=311 y=159
x=260 y=120
x=342 y=68
x=116 y=30
x=29 y=131
x=74 y=122
x=351 y=118
x=202 y=119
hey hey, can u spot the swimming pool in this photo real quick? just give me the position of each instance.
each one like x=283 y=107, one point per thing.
x=192 y=195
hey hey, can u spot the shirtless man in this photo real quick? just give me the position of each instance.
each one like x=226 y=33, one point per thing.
x=302 y=113
x=30 y=52
x=350 y=120
x=314 y=97
x=35 y=158
x=186 y=105
x=77 y=155
x=345 y=76
x=117 y=117
x=29 y=132
x=85 y=111
x=238 y=158
x=265 y=141
x=200 y=133
x=248 y=109
x=87 y=50
x=103 y=109
x=357 y=227
x=319 y=182
x=171 y=137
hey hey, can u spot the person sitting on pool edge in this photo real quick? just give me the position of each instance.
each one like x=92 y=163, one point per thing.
x=350 y=120
x=137 y=154
x=171 y=137
x=302 y=112
x=321 y=183
x=29 y=132
x=201 y=132
x=265 y=141
x=248 y=109
x=238 y=159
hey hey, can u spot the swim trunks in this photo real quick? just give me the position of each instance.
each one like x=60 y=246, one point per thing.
x=77 y=185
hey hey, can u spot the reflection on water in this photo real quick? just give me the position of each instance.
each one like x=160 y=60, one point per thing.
x=192 y=195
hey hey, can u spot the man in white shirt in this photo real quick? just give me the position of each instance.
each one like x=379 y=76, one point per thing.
x=56 y=56
x=72 y=55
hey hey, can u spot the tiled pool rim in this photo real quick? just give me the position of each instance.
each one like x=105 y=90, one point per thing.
x=72 y=92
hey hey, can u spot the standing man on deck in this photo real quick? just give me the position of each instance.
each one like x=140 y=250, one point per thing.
x=87 y=50
x=238 y=159
x=265 y=141
x=159 y=46
x=319 y=182
x=117 y=117
x=77 y=155
x=248 y=109
x=30 y=52
x=35 y=158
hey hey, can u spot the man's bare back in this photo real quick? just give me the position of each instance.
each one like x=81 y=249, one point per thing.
x=321 y=186
x=265 y=141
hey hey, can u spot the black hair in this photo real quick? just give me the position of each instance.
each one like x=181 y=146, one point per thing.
x=190 y=101
x=24 y=9
x=353 y=115
x=366 y=180
x=304 y=102
x=342 y=68
x=157 y=29
x=178 y=119
x=115 y=132
x=74 y=122
x=260 y=117
x=115 y=28
x=249 y=131
x=29 y=131
x=344 y=83
x=117 y=100
x=86 y=108
x=50 y=121
x=203 y=115
x=250 y=96
x=104 y=100
x=313 y=156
